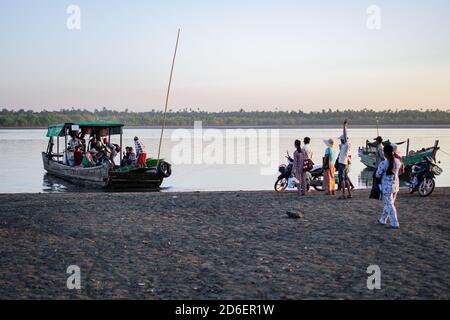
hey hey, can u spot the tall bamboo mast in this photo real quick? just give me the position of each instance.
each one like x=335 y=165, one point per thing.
x=167 y=97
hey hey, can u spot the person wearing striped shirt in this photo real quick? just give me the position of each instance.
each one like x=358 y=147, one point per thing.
x=141 y=155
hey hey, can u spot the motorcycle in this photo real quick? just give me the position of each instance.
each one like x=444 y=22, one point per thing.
x=286 y=179
x=422 y=177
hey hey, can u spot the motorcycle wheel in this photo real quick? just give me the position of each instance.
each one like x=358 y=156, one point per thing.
x=281 y=185
x=318 y=185
x=426 y=187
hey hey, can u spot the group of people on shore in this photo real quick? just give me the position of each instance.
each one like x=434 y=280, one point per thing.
x=386 y=177
x=82 y=154
x=331 y=162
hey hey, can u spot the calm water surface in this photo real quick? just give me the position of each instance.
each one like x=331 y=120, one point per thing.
x=21 y=168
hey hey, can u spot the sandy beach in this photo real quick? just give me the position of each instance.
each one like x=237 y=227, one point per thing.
x=222 y=245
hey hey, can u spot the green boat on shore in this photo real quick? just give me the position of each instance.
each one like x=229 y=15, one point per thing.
x=367 y=153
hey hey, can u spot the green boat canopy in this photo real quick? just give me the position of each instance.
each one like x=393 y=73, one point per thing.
x=110 y=128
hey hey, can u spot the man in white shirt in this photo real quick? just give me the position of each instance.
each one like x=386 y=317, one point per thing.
x=343 y=162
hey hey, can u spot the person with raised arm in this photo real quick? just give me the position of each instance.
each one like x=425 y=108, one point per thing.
x=343 y=163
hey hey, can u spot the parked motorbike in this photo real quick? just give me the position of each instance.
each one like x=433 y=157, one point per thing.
x=286 y=179
x=422 y=177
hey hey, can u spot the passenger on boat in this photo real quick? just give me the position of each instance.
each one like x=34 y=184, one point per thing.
x=88 y=160
x=95 y=144
x=74 y=141
x=82 y=140
x=129 y=157
x=112 y=149
x=77 y=156
x=140 y=152
x=69 y=154
x=379 y=154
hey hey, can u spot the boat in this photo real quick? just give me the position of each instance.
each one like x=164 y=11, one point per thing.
x=367 y=154
x=106 y=174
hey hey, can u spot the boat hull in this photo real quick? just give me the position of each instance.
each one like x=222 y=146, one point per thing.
x=368 y=159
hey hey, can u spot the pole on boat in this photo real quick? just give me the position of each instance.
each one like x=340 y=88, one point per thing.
x=121 y=146
x=407 y=146
x=167 y=97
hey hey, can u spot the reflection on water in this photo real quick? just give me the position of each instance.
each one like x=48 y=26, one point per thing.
x=54 y=184
x=21 y=168
x=365 y=178
x=51 y=183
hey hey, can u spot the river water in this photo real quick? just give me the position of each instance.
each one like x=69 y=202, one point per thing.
x=212 y=159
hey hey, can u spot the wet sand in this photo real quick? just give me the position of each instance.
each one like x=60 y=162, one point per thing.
x=222 y=245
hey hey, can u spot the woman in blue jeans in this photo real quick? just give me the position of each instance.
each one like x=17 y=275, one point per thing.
x=343 y=163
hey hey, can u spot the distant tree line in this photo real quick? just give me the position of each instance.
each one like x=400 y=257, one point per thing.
x=186 y=117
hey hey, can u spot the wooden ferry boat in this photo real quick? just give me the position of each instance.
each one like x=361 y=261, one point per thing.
x=106 y=174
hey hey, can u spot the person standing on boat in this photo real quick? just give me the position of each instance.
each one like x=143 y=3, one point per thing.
x=388 y=171
x=328 y=167
x=141 y=155
x=379 y=154
x=298 y=167
x=343 y=162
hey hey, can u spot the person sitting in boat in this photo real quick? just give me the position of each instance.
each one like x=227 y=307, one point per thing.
x=95 y=144
x=69 y=154
x=111 y=149
x=88 y=160
x=140 y=152
x=77 y=156
x=80 y=137
x=129 y=157
x=74 y=141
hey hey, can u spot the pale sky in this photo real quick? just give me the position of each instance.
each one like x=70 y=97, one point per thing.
x=256 y=55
